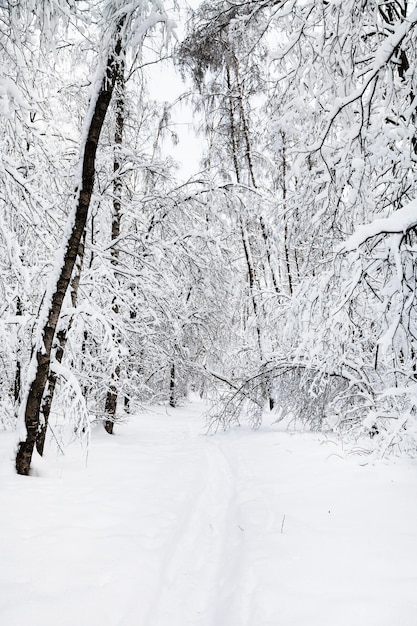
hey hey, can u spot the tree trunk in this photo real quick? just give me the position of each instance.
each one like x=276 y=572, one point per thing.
x=61 y=340
x=112 y=394
x=253 y=274
x=48 y=395
x=17 y=386
x=111 y=402
x=40 y=363
x=172 y=396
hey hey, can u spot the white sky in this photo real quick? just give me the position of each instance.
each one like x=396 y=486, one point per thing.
x=167 y=86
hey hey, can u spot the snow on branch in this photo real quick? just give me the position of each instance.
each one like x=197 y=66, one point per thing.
x=400 y=221
x=381 y=58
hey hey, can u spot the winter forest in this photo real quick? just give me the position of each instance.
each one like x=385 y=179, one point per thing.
x=246 y=240
x=280 y=274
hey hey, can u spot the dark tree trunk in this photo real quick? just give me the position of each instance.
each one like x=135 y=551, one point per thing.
x=17 y=386
x=172 y=395
x=17 y=381
x=111 y=403
x=42 y=356
x=61 y=341
x=48 y=395
x=245 y=239
x=112 y=394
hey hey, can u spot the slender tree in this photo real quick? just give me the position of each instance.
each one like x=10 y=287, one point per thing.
x=59 y=284
x=112 y=394
x=114 y=43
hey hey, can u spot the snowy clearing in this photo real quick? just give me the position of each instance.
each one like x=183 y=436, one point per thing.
x=162 y=526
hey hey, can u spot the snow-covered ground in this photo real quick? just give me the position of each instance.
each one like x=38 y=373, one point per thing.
x=162 y=526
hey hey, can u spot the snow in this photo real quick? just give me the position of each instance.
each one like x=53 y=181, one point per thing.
x=10 y=97
x=381 y=58
x=161 y=525
x=399 y=222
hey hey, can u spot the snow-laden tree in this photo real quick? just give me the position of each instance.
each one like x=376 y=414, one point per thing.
x=243 y=275
x=37 y=142
x=141 y=316
x=332 y=89
x=226 y=55
x=355 y=325
x=120 y=26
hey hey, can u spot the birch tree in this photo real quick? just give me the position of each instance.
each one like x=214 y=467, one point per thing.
x=118 y=22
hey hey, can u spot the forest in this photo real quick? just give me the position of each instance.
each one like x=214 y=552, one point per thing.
x=208 y=312
x=278 y=277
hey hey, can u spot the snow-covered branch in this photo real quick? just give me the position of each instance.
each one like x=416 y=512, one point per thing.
x=381 y=57
x=400 y=221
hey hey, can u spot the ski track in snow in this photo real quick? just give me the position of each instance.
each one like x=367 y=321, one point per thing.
x=163 y=526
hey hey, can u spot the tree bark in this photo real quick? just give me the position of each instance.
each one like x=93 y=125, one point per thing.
x=61 y=341
x=111 y=402
x=112 y=394
x=172 y=395
x=40 y=364
x=17 y=386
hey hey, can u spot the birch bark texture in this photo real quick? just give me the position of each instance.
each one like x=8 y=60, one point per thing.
x=60 y=279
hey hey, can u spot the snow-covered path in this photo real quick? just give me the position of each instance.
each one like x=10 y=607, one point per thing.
x=165 y=527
